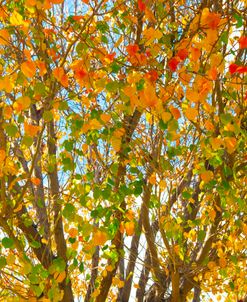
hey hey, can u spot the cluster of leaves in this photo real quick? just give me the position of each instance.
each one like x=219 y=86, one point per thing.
x=122 y=150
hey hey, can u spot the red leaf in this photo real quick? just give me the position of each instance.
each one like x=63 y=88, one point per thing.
x=245 y=98
x=213 y=20
x=173 y=63
x=132 y=49
x=152 y=75
x=141 y=5
x=242 y=42
x=234 y=68
x=182 y=53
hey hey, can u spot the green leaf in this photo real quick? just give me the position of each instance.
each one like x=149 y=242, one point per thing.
x=27 y=141
x=81 y=267
x=69 y=211
x=35 y=244
x=239 y=20
x=48 y=116
x=3 y=262
x=11 y=130
x=112 y=86
x=201 y=235
x=8 y=242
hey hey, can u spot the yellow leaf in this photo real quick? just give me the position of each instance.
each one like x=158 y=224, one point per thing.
x=27 y=268
x=152 y=179
x=117 y=282
x=95 y=293
x=16 y=19
x=191 y=114
x=43 y=240
x=22 y=103
x=209 y=126
x=95 y=124
x=166 y=116
x=10 y=259
x=217 y=143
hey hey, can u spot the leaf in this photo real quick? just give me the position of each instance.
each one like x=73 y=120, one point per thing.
x=132 y=49
x=242 y=42
x=231 y=144
x=69 y=211
x=73 y=232
x=28 y=68
x=182 y=54
x=16 y=19
x=166 y=116
x=59 y=277
x=206 y=176
x=173 y=64
x=191 y=114
x=3 y=262
x=99 y=238
x=4 y=37
x=141 y=5
x=36 y=181
x=175 y=112
x=129 y=228
x=212 y=214
x=8 y=242
x=31 y=130
x=22 y=103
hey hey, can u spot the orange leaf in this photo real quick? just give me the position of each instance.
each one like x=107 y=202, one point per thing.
x=73 y=232
x=28 y=68
x=31 y=130
x=58 y=73
x=35 y=181
x=4 y=37
x=56 y=1
x=99 y=238
x=191 y=114
x=242 y=42
x=105 y=117
x=195 y=54
x=212 y=73
x=206 y=176
x=175 y=112
x=231 y=144
x=129 y=228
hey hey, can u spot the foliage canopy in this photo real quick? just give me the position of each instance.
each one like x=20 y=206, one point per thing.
x=123 y=150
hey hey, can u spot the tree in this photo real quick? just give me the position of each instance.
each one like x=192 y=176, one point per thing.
x=122 y=147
